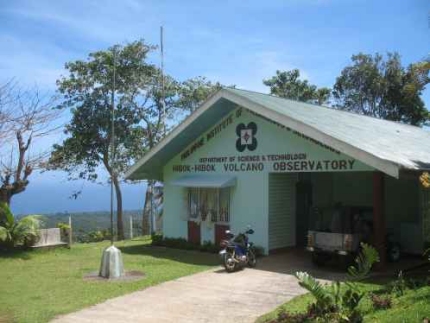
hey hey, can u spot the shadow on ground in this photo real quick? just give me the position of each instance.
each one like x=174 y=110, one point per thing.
x=18 y=253
x=288 y=262
x=183 y=256
x=296 y=260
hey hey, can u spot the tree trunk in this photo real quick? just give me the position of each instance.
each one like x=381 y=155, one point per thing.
x=146 y=214
x=7 y=190
x=119 y=221
x=118 y=194
x=5 y=196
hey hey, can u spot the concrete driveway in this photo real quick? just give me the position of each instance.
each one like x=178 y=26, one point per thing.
x=211 y=296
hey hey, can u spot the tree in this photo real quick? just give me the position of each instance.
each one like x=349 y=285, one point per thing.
x=88 y=91
x=144 y=113
x=195 y=91
x=25 y=117
x=383 y=88
x=287 y=84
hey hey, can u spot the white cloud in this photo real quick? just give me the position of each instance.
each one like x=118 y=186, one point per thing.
x=109 y=21
x=30 y=62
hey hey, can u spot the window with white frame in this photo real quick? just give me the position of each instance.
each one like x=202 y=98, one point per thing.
x=211 y=204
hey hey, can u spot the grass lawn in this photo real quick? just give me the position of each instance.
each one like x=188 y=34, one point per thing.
x=40 y=284
x=413 y=306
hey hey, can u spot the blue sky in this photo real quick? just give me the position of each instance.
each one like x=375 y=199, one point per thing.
x=234 y=42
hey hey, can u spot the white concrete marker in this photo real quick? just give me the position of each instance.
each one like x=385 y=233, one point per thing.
x=111 y=265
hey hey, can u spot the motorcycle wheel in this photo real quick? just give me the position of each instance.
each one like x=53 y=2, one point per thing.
x=229 y=263
x=252 y=260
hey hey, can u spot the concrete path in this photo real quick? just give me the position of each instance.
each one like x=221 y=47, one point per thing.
x=211 y=296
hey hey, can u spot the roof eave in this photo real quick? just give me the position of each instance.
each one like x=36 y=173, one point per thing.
x=178 y=129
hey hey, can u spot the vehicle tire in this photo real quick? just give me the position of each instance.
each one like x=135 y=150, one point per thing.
x=347 y=261
x=318 y=259
x=393 y=252
x=252 y=259
x=229 y=263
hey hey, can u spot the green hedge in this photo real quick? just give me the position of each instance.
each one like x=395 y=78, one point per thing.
x=181 y=243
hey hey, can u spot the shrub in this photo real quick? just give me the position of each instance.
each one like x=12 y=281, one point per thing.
x=380 y=302
x=331 y=304
x=157 y=239
x=95 y=236
x=181 y=243
x=397 y=286
x=176 y=243
x=17 y=232
x=286 y=317
x=63 y=226
x=401 y=284
x=64 y=230
x=208 y=246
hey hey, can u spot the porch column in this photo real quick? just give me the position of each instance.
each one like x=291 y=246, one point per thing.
x=379 y=218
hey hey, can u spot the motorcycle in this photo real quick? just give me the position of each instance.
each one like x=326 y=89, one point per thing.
x=237 y=252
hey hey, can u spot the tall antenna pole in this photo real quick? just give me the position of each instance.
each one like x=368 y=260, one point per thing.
x=111 y=265
x=112 y=145
x=163 y=121
x=163 y=101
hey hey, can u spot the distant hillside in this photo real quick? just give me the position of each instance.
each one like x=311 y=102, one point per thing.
x=84 y=222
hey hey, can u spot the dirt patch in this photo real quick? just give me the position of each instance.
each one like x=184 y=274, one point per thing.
x=6 y=318
x=132 y=275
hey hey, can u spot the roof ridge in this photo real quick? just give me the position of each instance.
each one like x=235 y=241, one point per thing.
x=326 y=107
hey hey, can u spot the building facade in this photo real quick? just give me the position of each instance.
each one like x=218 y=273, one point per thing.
x=245 y=158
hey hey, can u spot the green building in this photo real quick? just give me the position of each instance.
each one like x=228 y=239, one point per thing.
x=249 y=158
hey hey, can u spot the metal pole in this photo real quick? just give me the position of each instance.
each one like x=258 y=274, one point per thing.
x=112 y=150
x=163 y=102
x=151 y=190
x=70 y=231
x=131 y=227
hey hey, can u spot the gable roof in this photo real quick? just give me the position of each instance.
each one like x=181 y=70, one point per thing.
x=385 y=145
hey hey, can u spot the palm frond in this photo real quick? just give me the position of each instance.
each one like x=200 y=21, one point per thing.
x=26 y=229
x=336 y=292
x=6 y=216
x=367 y=257
x=321 y=294
x=4 y=234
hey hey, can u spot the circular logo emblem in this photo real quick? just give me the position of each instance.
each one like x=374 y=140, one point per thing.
x=246 y=136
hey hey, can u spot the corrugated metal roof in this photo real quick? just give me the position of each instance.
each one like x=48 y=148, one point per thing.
x=402 y=144
x=385 y=145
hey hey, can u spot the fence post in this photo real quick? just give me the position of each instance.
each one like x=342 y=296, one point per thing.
x=70 y=231
x=131 y=227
